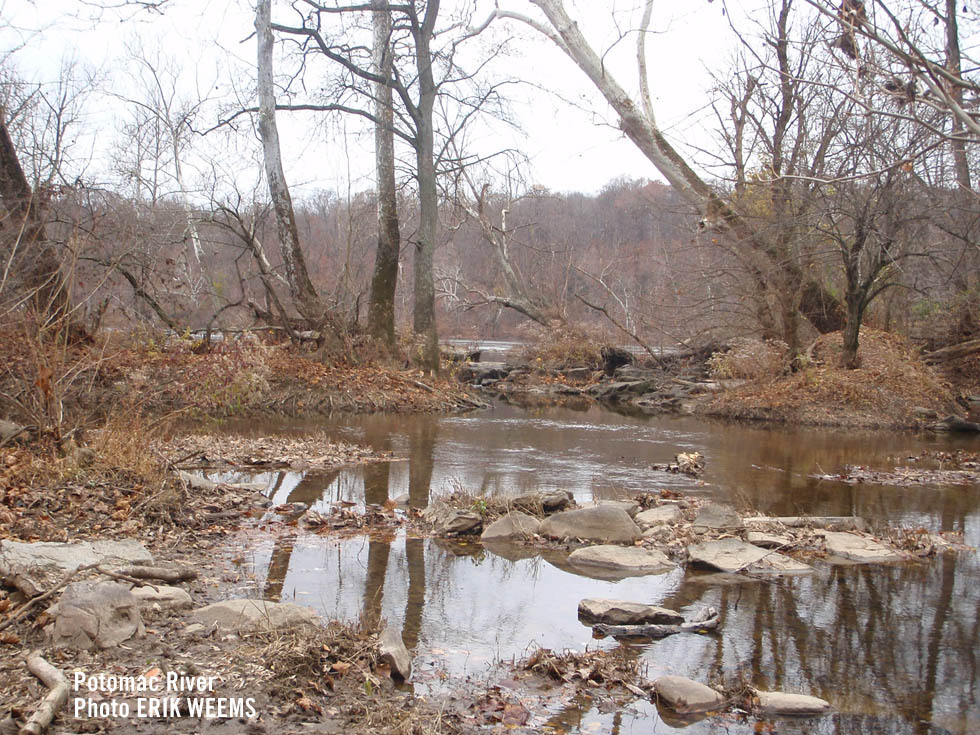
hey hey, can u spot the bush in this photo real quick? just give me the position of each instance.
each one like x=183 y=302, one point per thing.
x=750 y=360
x=564 y=347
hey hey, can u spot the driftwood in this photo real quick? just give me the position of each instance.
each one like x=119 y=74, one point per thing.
x=160 y=574
x=704 y=621
x=952 y=352
x=58 y=684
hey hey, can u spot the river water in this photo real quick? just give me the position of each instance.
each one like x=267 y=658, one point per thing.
x=894 y=648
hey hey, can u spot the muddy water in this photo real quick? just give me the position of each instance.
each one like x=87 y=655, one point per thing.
x=895 y=649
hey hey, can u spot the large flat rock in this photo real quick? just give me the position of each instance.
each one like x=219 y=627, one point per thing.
x=686 y=696
x=733 y=555
x=514 y=525
x=629 y=560
x=94 y=615
x=70 y=556
x=860 y=549
x=622 y=612
x=847 y=523
x=244 y=615
x=717 y=516
x=163 y=595
x=599 y=523
x=658 y=516
x=785 y=703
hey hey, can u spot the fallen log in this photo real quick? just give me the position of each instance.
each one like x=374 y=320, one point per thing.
x=169 y=575
x=58 y=684
x=952 y=352
x=707 y=619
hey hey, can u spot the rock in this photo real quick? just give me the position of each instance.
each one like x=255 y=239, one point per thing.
x=163 y=595
x=244 y=615
x=629 y=560
x=196 y=482
x=859 y=548
x=717 y=516
x=598 y=523
x=621 y=612
x=927 y=414
x=658 y=516
x=449 y=521
x=68 y=557
x=613 y=358
x=546 y=501
x=391 y=650
x=658 y=534
x=194 y=629
x=848 y=523
x=94 y=614
x=630 y=506
x=955 y=424
x=620 y=389
x=9 y=431
x=767 y=540
x=514 y=525
x=784 y=703
x=685 y=695
x=480 y=372
x=733 y=555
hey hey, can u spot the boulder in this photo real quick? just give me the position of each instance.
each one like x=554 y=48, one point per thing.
x=658 y=516
x=860 y=549
x=449 y=521
x=734 y=555
x=244 y=615
x=480 y=372
x=94 y=615
x=717 y=516
x=514 y=525
x=392 y=651
x=784 y=703
x=629 y=560
x=174 y=598
x=630 y=506
x=613 y=358
x=686 y=696
x=598 y=523
x=621 y=612
x=955 y=424
x=68 y=557
x=545 y=501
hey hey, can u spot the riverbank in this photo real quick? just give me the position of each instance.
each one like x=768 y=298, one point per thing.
x=893 y=388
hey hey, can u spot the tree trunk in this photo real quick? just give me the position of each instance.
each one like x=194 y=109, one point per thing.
x=381 y=310
x=852 y=329
x=40 y=261
x=301 y=288
x=424 y=316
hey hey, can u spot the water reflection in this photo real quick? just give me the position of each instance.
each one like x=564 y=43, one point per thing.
x=894 y=648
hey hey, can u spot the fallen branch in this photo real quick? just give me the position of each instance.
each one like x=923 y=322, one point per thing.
x=58 y=684
x=22 y=611
x=704 y=621
x=161 y=574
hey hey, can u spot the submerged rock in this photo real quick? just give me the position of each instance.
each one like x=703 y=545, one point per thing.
x=514 y=525
x=68 y=557
x=657 y=516
x=733 y=555
x=717 y=516
x=621 y=612
x=95 y=615
x=861 y=549
x=622 y=559
x=599 y=523
x=392 y=651
x=686 y=696
x=244 y=615
x=784 y=703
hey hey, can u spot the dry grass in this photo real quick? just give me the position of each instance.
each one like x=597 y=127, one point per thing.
x=891 y=381
x=564 y=347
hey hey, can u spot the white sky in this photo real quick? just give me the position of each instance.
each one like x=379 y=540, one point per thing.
x=569 y=147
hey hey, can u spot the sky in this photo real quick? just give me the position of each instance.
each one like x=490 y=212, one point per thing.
x=563 y=126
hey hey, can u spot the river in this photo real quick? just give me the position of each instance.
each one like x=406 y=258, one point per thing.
x=894 y=648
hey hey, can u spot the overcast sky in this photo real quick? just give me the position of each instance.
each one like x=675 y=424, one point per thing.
x=570 y=146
